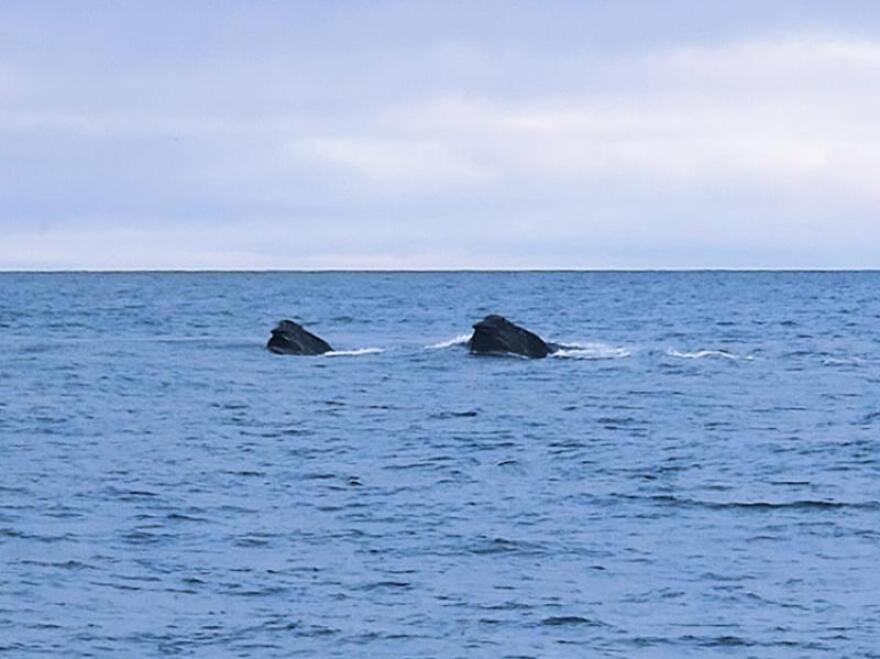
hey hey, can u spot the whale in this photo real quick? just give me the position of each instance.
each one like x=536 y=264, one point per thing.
x=290 y=338
x=496 y=335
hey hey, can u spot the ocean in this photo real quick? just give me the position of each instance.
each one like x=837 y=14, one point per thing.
x=697 y=475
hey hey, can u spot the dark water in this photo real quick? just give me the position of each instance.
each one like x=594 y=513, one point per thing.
x=700 y=479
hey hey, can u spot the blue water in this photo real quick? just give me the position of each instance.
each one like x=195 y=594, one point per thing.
x=699 y=478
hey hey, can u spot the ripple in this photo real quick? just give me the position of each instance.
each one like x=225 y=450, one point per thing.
x=566 y=621
x=804 y=504
x=704 y=354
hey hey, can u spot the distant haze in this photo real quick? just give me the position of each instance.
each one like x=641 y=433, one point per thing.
x=311 y=135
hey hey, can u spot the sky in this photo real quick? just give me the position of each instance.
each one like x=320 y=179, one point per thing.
x=589 y=134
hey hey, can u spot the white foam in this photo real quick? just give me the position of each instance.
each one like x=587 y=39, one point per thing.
x=592 y=350
x=353 y=353
x=461 y=339
x=703 y=354
x=842 y=361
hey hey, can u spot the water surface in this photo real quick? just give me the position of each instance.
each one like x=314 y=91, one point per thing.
x=699 y=477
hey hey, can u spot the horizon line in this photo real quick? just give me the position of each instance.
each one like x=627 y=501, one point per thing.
x=47 y=271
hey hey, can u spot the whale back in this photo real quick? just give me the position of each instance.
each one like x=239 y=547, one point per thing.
x=495 y=334
x=290 y=338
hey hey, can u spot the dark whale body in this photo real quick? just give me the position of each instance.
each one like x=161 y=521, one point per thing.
x=289 y=338
x=495 y=334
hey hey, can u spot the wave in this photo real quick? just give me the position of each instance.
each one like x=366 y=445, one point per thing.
x=703 y=354
x=353 y=353
x=459 y=340
x=797 y=504
x=592 y=350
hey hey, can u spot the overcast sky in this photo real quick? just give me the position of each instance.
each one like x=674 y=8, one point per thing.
x=479 y=134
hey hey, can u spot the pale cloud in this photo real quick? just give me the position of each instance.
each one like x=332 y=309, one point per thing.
x=395 y=162
x=757 y=122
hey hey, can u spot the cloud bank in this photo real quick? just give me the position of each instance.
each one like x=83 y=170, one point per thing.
x=404 y=136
